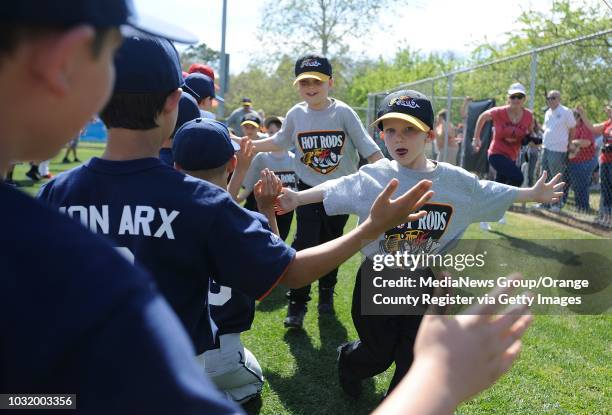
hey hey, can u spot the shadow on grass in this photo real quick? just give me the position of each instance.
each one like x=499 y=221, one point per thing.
x=314 y=388
x=274 y=301
x=537 y=249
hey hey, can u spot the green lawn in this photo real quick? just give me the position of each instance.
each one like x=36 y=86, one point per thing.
x=565 y=367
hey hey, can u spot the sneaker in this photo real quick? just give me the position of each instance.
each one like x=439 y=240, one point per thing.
x=484 y=226
x=33 y=175
x=326 y=300
x=555 y=209
x=542 y=206
x=76 y=160
x=65 y=160
x=350 y=385
x=295 y=315
x=502 y=221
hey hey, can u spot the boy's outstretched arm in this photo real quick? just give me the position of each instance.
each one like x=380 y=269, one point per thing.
x=266 y=144
x=456 y=358
x=542 y=191
x=290 y=199
x=312 y=263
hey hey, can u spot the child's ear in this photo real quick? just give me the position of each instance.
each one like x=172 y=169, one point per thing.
x=231 y=164
x=57 y=59
x=330 y=82
x=172 y=101
x=430 y=135
x=177 y=167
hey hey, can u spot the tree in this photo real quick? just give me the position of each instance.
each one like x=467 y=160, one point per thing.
x=200 y=54
x=323 y=26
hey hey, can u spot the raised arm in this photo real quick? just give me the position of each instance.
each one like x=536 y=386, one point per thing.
x=312 y=263
x=596 y=129
x=245 y=157
x=266 y=190
x=482 y=119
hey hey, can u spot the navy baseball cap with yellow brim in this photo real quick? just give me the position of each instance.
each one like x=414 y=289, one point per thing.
x=251 y=119
x=312 y=66
x=98 y=13
x=407 y=105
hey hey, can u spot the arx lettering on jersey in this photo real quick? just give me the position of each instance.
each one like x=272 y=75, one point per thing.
x=135 y=220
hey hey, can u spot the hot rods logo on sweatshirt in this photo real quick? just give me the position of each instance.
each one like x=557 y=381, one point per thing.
x=322 y=150
x=419 y=236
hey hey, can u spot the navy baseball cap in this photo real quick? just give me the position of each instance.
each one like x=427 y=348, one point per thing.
x=312 y=66
x=200 y=86
x=187 y=110
x=98 y=13
x=408 y=105
x=246 y=102
x=203 y=144
x=147 y=64
x=251 y=119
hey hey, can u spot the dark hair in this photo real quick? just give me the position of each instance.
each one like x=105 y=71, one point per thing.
x=12 y=35
x=275 y=122
x=134 y=111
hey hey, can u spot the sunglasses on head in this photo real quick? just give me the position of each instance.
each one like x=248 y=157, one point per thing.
x=517 y=96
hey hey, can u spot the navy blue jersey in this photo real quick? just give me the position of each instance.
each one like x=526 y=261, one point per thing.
x=182 y=229
x=165 y=155
x=231 y=310
x=77 y=318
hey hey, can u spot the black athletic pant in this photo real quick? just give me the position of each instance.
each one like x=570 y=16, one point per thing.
x=315 y=227
x=382 y=340
x=283 y=221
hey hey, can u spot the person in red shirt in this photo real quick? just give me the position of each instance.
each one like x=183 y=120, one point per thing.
x=605 y=163
x=511 y=123
x=581 y=163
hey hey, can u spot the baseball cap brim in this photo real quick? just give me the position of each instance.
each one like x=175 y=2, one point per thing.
x=218 y=98
x=516 y=91
x=235 y=145
x=156 y=27
x=311 y=75
x=253 y=123
x=405 y=117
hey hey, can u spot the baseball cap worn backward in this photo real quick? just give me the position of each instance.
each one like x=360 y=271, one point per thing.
x=408 y=105
x=146 y=64
x=98 y=13
x=203 y=144
x=312 y=66
x=187 y=110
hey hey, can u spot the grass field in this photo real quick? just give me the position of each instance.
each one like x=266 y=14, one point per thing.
x=565 y=367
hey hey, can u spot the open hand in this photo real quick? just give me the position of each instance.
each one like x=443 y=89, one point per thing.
x=266 y=190
x=287 y=201
x=387 y=213
x=245 y=154
x=547 y=192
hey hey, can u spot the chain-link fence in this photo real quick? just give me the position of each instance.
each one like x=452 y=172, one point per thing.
x=580 y=70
